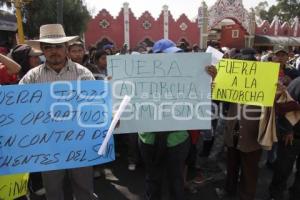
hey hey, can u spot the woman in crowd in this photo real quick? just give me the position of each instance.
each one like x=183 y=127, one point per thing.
x=27 y=57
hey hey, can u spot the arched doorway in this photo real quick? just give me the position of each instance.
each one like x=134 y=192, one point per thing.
x=226 y=11
x=227 y=33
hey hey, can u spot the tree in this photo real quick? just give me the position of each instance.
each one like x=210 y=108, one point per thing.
x=260 y=9
x=286 y=10
x=5 y=3
x=39 y=12
x=270 y=14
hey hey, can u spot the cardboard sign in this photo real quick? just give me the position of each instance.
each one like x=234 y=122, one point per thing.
x=54 y=126
x=246 y=82
x=168 y=91
x=13 y=186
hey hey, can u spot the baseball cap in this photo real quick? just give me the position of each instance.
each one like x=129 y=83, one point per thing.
x=108 y=46
x=165 y=46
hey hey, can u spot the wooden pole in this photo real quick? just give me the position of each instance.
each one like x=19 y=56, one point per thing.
x=18 y=5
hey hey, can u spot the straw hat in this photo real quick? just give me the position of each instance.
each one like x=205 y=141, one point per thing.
x=35 y=48
x=53 y=34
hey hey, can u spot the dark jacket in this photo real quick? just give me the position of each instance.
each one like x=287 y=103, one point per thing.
x=248 y=128
x=294 y=91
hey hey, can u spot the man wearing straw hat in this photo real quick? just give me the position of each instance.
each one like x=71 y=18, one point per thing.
x=53 y=42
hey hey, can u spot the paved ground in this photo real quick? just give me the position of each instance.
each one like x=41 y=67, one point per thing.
x=118 y=183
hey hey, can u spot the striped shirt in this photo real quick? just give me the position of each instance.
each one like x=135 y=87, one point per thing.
x=43 y=73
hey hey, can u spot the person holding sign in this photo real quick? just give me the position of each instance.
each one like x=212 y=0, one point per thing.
x=241 y=128
x=53 y=43
x=165 y=150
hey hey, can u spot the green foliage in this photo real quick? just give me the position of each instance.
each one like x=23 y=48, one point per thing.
x=270 y=14
x=39 y=12
x=286 y=10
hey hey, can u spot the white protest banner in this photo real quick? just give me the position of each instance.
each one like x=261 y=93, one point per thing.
x=168 y=91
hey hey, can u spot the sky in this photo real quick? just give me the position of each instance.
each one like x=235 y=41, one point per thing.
x=177 y=7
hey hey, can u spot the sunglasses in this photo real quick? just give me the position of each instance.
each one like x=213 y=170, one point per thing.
x=52 y=46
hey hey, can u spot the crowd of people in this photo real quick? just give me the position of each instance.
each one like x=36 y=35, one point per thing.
x=56 y=57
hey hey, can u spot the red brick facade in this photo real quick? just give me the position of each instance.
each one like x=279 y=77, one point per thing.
x=233 y=36
x=104 y=26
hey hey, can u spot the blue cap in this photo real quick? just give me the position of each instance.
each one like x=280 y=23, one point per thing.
x=108 y=46
x=165 y=46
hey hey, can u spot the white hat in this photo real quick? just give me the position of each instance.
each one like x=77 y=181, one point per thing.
x=54 y=34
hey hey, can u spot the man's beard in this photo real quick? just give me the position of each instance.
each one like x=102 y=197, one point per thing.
x=56 y=60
